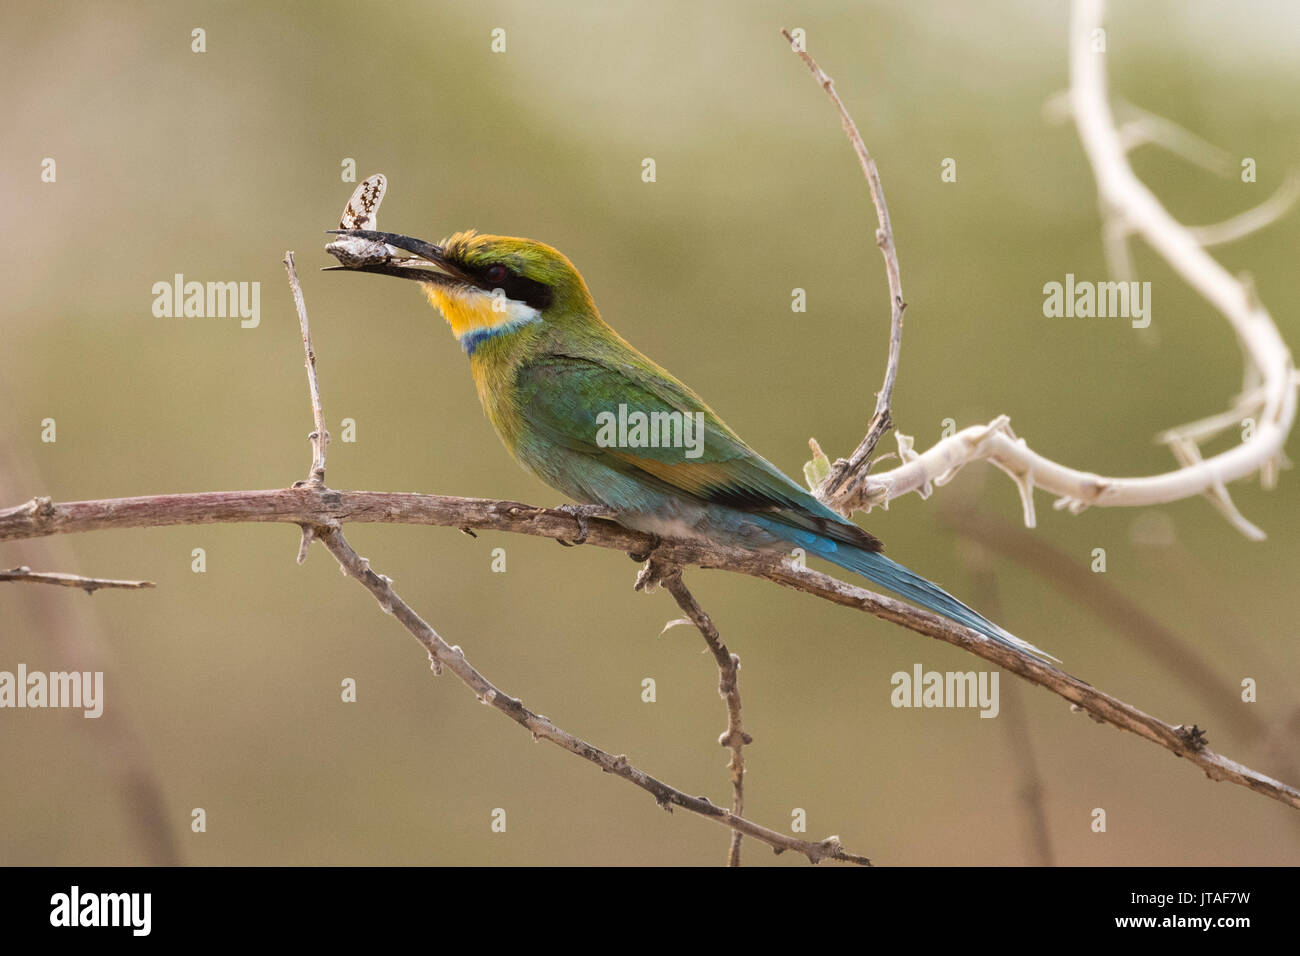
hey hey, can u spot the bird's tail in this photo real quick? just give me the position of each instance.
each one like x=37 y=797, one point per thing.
x=908 y=584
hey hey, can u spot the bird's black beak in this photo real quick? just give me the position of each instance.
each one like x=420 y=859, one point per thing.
x=364 y=250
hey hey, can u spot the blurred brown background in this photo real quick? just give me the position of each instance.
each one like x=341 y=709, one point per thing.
x=213 y=164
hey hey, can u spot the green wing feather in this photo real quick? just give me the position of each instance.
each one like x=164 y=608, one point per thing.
x=560 y=396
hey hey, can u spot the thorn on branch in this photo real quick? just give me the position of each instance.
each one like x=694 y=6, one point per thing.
x=307 y=535
x=1194 y=737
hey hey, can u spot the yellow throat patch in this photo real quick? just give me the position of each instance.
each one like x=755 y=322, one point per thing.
x=470 y=310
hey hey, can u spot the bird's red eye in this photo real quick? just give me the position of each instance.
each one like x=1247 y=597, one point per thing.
x=496 y=273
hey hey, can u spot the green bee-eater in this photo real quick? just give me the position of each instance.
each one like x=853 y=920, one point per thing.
x=591 y=416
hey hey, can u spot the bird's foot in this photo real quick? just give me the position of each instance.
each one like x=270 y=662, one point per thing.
x=645 y=556
x=581 y=513
x=655 y=541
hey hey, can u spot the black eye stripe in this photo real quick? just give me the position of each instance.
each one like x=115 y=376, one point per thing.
x=536 y=294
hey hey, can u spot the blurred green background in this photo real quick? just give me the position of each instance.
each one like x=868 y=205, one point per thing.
x=223 y=687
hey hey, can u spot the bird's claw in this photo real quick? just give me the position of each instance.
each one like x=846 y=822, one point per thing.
x=581 y=513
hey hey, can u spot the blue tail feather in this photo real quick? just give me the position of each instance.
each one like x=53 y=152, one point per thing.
x=906 y=583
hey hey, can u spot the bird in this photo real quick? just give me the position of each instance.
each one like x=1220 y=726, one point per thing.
x=587 y=413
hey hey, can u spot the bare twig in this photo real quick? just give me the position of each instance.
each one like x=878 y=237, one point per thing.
x=880 y=419
x=734 y=737
x=320 y=437
x=89 y=585
x=316 y=506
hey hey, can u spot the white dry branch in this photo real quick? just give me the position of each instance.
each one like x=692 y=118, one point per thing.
x=1268 y=395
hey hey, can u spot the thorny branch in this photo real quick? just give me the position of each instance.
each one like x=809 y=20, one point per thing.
x=734 y=737
x=1268 y=398
x=843 y=470
x=323 y=506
